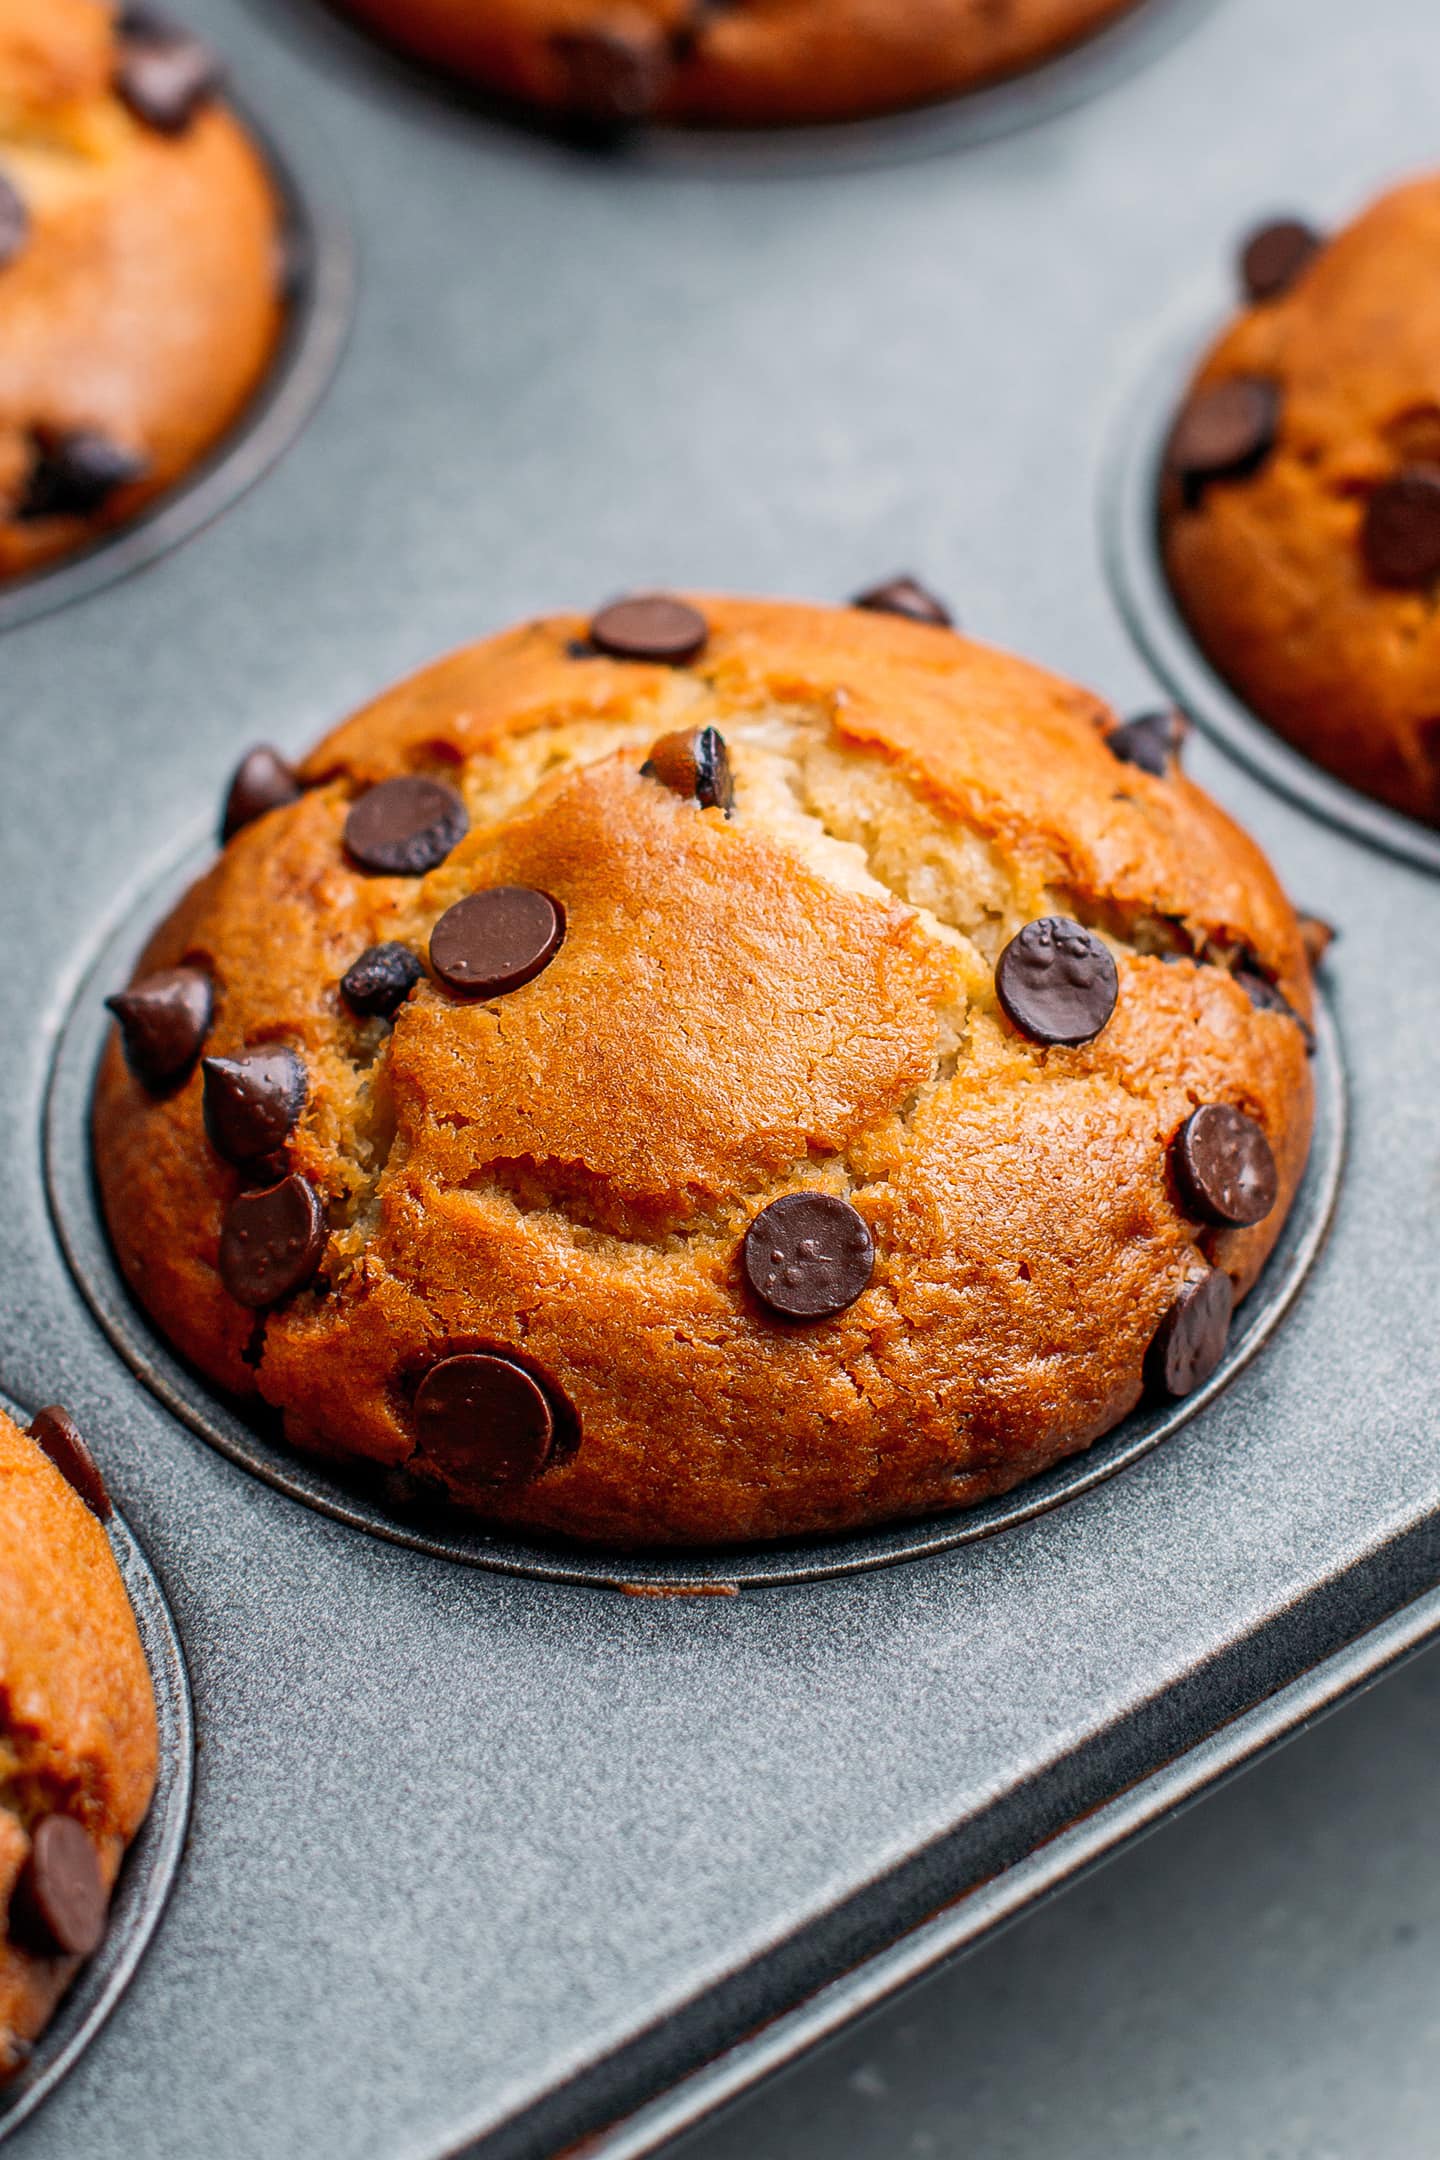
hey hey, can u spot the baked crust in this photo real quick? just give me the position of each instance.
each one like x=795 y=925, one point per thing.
x=748 y=62
x=799 y=996
x=144 y=303
x=77 y=1713
x=1269 y=568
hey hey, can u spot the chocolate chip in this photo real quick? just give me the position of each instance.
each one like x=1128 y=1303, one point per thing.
x=611 y=79
x=405 y=827
x=163 y=73
x=694 y=762
x=1226 y=430
x=496 y=940
x=908 y=597
x=1317 y=936
x=483 y=1420
x=164 y=1019
x=253 y=1101
x=1224 y=1167
x=808 y=1256
x=1190 y=1341
x=272 y=1242
x=1056 y=982
x=14 y=222
x=1400 y=532
x=261 y=781
x=1275 y=255
x=651 y=627
x=60 y=1903
x=379 y=982
x=1153 y=741
x=1267 y=996
x=76 y=471
x=56 y=1434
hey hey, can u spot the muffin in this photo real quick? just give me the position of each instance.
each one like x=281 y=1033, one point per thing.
x=77 y=1723
x=733 y=62
x=140 y=269
x=1300 y=509
x=722 y=1070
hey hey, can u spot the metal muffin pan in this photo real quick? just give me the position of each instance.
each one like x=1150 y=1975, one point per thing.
x=489 y=1863
x=153 y=1861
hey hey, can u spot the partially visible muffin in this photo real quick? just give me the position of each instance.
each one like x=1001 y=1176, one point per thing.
x=78 y=1746
x=733 y=62
x=1300 y=510
x=140 y=269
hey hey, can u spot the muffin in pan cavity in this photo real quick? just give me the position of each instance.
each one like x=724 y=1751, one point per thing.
x=733 y=63
x=78 y=1729
x=1300 y=496
x=717 y=1071
x=141 y=269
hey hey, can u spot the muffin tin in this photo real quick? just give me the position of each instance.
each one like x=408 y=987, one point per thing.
x=485 y=1861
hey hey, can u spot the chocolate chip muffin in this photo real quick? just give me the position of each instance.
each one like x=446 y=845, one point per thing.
x=711 y=1072
x=733 y=62
x=139 y=269
x=1301 y=496
x=77 y=1722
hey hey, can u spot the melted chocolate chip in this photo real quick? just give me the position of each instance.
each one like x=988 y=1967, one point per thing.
x=405 y=827
x=164 y=1019
x=76 y=471
x=808 y=1256
x=14 y=222
x=253 y=1101
x=1226 y=430
x=908 y=597
x=496 y=940
x=1153 y=741
x=163 y=73
x=378 y=983
x=1190 y=1341
x=483 y=1421
x=694 y=762
x=650 y=627
x=1400 y=531
x=272 y=1242
x=1057 y=982
x=1224 y=1167
x=1275 y=255
x=261 y=781
x=1267 y=996
x=56 y=1434
x=60 y=1902
x=611 y=78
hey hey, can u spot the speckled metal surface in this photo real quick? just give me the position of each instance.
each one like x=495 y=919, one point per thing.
x=483 y=1860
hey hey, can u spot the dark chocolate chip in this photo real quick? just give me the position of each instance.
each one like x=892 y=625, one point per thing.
x=164 y=1019
x=1226 y=430
x=60 y=1902
x=14 y=221
x=1190 y=1341
x=405 y=827
x=272 y=1242
x=163 y=73
x=1267 y=996
x=611 y=79
x=695 y=763
x=253 y=1101
x=483 y=1421
x=261 y=781
x=496 y=940
x=379 y=982
x=652 y=627
x=1275 y=255
x=1400 y=532
x=1153 y=741
x=76 y=471
x=1317 y=936
x=1057 y=982
x=808 y=1256
x=56 y=1434
x=1224 y=1167
x=908 y=597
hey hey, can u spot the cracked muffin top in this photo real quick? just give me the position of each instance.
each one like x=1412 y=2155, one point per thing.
x=1301 y=496
x=733 y=62
x=722 y=1070
x=77 y=1723
x=139 y=269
